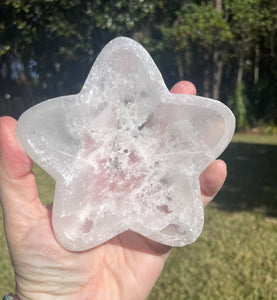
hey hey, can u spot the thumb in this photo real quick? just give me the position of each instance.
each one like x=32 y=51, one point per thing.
x=184 y=87
x=18 y=190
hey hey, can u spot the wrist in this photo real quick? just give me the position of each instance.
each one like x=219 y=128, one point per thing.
x=87 y=292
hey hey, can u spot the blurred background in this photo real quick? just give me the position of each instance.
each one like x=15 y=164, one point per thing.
x=228 y=49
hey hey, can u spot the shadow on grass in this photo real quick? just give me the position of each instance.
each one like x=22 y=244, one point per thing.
x=252 y=179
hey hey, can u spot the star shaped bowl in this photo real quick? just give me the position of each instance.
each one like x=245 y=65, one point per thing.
x=126 y=154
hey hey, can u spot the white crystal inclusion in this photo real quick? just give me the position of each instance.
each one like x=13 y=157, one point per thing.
x=126 y=154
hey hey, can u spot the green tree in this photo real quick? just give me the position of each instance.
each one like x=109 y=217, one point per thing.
x=253 y=24
x=202 y=30
x=247 y=19
x=48 y=47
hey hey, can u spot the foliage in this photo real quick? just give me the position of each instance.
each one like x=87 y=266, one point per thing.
x=238 y=104
x=264 y=100
x=48 y=47
x=271 y=128
x=200 y=24
x=249 y=22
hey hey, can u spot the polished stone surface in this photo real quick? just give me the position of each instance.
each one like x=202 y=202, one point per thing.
x=126 y=153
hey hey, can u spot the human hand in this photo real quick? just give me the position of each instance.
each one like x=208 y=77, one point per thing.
x=126 y=267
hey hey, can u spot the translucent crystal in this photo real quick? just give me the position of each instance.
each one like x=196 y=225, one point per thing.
x=126 y=153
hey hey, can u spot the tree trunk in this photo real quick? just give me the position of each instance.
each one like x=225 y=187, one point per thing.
x=272 y=43
x=217 y=74
x=217 y=63
x=180 y=67
x=240 y=70
x=207 y=76
x=256 y=66
x=218 y=5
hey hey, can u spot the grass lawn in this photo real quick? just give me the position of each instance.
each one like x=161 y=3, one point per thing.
x=236 y=254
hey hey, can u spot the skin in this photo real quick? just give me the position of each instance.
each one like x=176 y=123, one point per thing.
x=125 y=267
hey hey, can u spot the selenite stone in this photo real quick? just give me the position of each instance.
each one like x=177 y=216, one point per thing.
x=126 y=154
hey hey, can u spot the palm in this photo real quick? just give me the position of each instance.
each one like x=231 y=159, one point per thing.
x=125 y=267
x=128 y=258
